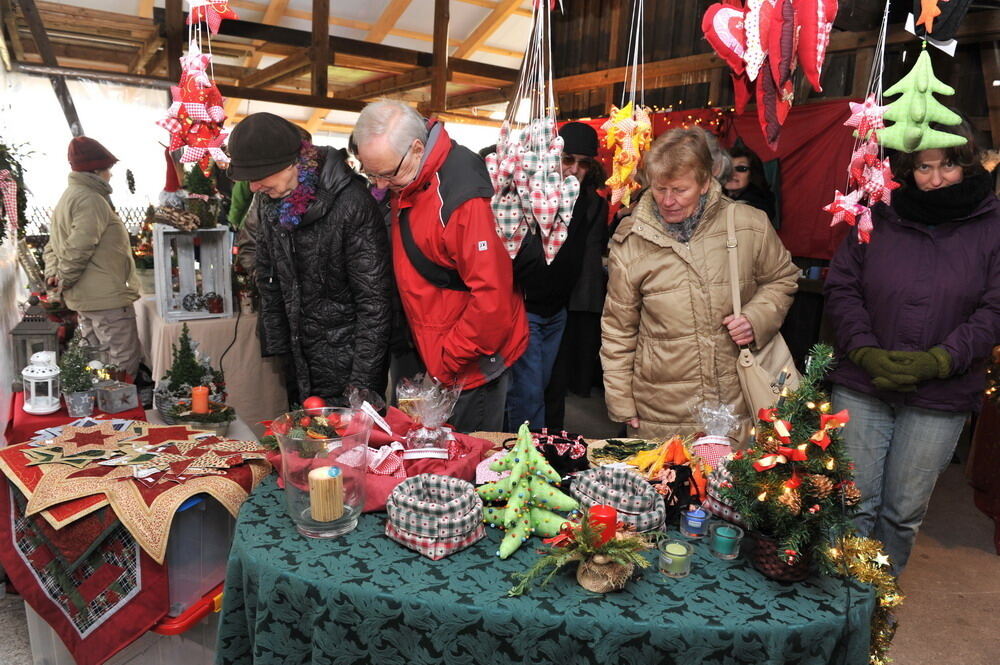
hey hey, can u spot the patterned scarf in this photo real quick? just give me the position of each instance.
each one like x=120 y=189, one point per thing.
x=683 y=230
x=293 y=206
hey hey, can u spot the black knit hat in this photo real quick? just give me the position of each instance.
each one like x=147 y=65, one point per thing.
x=579 y=139
x=261 y=145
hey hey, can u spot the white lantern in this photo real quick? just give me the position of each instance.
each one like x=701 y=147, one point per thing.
x=41 y=384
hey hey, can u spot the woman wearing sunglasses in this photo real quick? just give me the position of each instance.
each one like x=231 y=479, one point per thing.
x=747 y=182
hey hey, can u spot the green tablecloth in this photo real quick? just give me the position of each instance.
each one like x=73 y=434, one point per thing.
x=365 y=599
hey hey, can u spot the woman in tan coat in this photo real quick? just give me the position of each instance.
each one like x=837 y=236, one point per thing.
x=669 y=338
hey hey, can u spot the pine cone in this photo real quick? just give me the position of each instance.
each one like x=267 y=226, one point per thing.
x=768 y=443
x=791 y=500
x=852 y=494
x=819 y=486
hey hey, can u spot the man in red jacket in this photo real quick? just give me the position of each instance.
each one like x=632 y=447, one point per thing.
x=454 y=276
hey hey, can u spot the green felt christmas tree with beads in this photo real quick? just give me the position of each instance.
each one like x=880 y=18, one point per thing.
x=915 y=110
x=529 y=493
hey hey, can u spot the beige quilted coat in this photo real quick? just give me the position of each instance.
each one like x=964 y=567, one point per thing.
x=664 y=346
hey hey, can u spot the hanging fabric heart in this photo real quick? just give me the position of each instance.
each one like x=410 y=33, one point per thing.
x=813 y=21
x=723 y=26
x=781 y=43
x=757 y=26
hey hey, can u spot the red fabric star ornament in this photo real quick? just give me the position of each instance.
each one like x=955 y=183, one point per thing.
x=866 y=116
x=845 y=207
x=158 y=435
x=211 y=12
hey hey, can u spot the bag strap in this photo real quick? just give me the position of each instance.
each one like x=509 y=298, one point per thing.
x=734 y=262
x=439 y=276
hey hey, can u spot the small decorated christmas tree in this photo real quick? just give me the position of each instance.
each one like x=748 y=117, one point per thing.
x=188 y=370
x=795 y=484
x=915 y=110
x=74 y=377
x=530 y=496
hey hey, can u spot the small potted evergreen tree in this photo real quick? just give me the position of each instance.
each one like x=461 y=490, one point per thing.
x=187 y=370
x=76 y=380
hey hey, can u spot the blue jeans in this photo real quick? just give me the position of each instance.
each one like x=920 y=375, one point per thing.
x=532 y=371
x=898 y=453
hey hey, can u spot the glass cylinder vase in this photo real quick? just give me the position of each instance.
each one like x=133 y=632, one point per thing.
x=324 y=456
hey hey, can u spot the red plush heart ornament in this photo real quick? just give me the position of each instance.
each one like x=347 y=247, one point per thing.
x=813 y=21
x=723 y=28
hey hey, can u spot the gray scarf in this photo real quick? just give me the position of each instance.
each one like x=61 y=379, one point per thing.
x=683 y=230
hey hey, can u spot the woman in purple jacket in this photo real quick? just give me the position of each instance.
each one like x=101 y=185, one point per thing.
x=916 y=313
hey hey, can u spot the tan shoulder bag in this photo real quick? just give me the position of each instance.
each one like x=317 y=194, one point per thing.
x=759 y=369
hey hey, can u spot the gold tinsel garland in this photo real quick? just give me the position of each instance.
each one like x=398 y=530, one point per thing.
x=862 y=559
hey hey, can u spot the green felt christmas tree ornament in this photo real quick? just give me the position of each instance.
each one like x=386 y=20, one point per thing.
x=916 y=109
x=531 y=498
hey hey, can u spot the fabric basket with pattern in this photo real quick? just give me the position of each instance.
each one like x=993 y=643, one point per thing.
x=434 y=515
x=714 y=503
x=626 y=491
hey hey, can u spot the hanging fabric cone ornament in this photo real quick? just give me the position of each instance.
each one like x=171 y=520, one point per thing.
x=915 y=110
x=530 y=194
x=629 y=133
x=211 y=12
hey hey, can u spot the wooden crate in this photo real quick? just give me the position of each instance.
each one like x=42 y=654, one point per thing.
x=210 y=272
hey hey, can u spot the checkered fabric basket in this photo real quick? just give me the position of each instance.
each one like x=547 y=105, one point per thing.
x=714 y=503
x=626 y=491
x=434 y=515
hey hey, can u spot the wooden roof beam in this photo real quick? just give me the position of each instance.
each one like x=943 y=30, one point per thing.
x=415 y=78
x=10 y=20
x=292 y=65
x=145 y=8
x=501 y=12
x=34 y=20
x=439 y=70
x=145 y=53
x=387 y=20
x=320 y=50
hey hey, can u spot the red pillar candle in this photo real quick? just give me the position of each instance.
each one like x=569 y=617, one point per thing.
x=199 y=399
x=606 y=516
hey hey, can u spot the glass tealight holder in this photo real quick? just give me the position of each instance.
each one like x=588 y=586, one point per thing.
x=694 y=523
x=675 y=557
x=724 y=540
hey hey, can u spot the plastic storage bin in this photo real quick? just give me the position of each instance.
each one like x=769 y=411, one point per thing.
x=197 y=550
x=196 y=646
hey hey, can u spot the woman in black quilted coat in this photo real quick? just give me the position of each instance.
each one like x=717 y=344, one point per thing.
x=322 y=265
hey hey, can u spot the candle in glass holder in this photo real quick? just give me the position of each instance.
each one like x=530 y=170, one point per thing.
x=693 y=523
x=199 y=399
x=675 y=558
x=725 y=540
x=606 y=516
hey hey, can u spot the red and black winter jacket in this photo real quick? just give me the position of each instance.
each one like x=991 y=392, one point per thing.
x=466 y=337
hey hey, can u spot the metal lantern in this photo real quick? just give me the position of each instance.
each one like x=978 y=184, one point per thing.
x=33 y=334
x=41 y=384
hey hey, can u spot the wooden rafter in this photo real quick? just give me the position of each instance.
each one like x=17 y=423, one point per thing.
x=501 y=12
x=287 y=67
x=273 y=12
x=320 y=50
x=439 y=68
x=315 y=120
x=387 y=20
x=10 y=21
x=34 y=20
x=146 y=8
x=145 y=53
x=174 y=26
x=415 y=78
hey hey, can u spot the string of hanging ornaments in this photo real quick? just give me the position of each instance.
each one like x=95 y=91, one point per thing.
x=196 y=117
x=530 y=194
x=869 y=172
x=764 y=42
x=628 y=130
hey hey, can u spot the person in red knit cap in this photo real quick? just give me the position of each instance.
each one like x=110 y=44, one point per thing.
x=89 y=258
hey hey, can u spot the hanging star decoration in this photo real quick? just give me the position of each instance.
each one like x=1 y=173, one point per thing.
x=844 y=207
x=866 y=116
x=629 y=132
x=929 y=11
x=196 y=116
x=211 y=12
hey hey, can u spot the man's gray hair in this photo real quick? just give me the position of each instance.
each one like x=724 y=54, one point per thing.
x=388 y=117
x=722 y=163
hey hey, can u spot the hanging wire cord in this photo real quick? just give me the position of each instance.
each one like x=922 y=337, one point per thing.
x=635 y=62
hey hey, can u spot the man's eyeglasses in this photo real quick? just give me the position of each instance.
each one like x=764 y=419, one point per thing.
x=570 y=160
x=389 y=176
x=741 y=168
